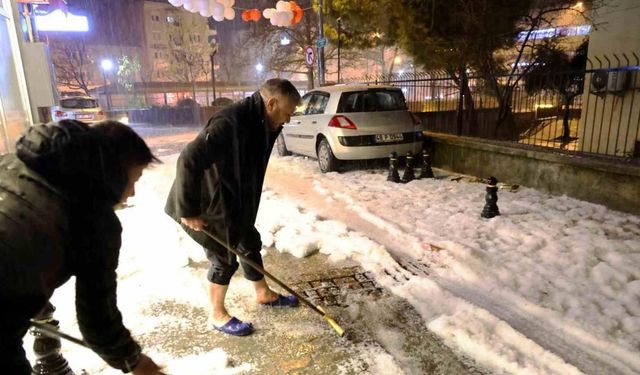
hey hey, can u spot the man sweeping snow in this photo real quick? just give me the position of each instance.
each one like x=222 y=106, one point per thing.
x=218 y=187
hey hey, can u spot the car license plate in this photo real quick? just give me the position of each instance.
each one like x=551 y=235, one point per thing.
x=385 y=138
x=84 y=117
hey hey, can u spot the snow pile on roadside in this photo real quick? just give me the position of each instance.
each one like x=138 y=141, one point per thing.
x=471 y=330
x=577 y=263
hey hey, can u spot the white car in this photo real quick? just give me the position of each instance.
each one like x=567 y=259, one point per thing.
x=81 y=108
x=347 y=122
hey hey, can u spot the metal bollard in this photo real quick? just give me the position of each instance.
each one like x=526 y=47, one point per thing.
x=491 y=199
x=393 y=175
x=408 y=174
x=426 y=171
x=49 y=361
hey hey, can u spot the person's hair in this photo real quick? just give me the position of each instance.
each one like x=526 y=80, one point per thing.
x=282 y=87
x=128 y=147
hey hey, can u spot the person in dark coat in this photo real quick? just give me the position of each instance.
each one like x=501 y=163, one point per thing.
x=58 y=193
x=218 y=186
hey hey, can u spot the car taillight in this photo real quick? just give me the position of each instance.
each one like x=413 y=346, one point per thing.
x=339 y=121
x=416 y=119
x=61 y=114
x=100 y=113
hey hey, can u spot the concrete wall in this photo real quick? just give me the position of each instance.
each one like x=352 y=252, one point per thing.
x=38 y=68
x=611 y=121
x=614 y=185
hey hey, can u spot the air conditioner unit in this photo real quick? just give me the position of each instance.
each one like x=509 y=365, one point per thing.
x=617 y=81
x=608 y=81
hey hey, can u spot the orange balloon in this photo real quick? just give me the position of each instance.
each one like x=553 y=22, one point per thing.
x=297 y=15
x=245 y=15
x=255 y=15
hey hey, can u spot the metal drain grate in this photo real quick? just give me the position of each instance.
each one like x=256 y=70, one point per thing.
x=333 y=290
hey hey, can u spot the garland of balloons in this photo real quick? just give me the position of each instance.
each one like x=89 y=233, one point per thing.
x=286 y=13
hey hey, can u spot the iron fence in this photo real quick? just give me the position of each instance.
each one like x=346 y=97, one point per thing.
x=593 y=111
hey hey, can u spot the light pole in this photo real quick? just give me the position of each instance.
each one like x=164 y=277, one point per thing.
x=339 y=45
x=213 y=72
x=106 y=65
x=214 y=49
x=321 y=42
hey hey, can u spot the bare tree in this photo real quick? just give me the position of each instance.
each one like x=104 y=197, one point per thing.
x=236 y=56
x=72 y=63
x=189 y=53
x=289 y=58
x=542 y=15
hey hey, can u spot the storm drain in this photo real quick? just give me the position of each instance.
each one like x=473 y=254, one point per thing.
x=333 y=289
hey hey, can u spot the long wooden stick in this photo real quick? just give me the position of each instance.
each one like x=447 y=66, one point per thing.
x=339 y=330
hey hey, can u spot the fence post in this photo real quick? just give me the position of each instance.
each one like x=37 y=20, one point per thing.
x=460 y=109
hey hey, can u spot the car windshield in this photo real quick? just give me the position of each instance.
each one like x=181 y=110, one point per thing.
x=79 y=103
x=372 y=101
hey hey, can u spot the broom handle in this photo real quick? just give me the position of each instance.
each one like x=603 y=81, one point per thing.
x=52 y=331
x=260 y=269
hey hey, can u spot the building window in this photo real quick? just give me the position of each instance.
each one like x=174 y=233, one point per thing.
x=156 y=35
x=155 y=18
x=173 y=20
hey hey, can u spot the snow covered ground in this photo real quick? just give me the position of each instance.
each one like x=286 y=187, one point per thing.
x=556 y=264
x=552 y=286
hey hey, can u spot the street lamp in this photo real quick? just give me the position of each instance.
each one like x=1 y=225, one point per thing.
x=107 y=66
x=214 y=50
x=339 y=45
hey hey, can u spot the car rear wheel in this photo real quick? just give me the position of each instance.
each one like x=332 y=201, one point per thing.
x=281 y=146
x=326 y=160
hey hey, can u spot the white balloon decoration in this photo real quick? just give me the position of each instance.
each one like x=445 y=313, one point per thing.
x=218 y=9
x=281 y=6
x=229 y=13
x=202 y=6
x=281 y=15
x=267 y=13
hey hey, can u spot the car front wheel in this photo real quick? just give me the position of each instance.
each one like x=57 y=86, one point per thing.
x=326 y=160
x=281 y=146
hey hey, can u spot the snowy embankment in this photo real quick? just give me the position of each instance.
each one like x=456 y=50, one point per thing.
x=552 y=278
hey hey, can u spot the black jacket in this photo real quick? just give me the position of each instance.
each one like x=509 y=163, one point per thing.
x=57 y=221
x=220 y=174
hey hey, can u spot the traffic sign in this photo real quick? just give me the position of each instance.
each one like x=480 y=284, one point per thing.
x=321 y=42
x=309 y=55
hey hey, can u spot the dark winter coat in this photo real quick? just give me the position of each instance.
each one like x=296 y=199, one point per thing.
x=57 y=221
x=220 y=174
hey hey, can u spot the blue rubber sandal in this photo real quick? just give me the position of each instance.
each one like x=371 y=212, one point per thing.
x=283 y=301
x=236 y=327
